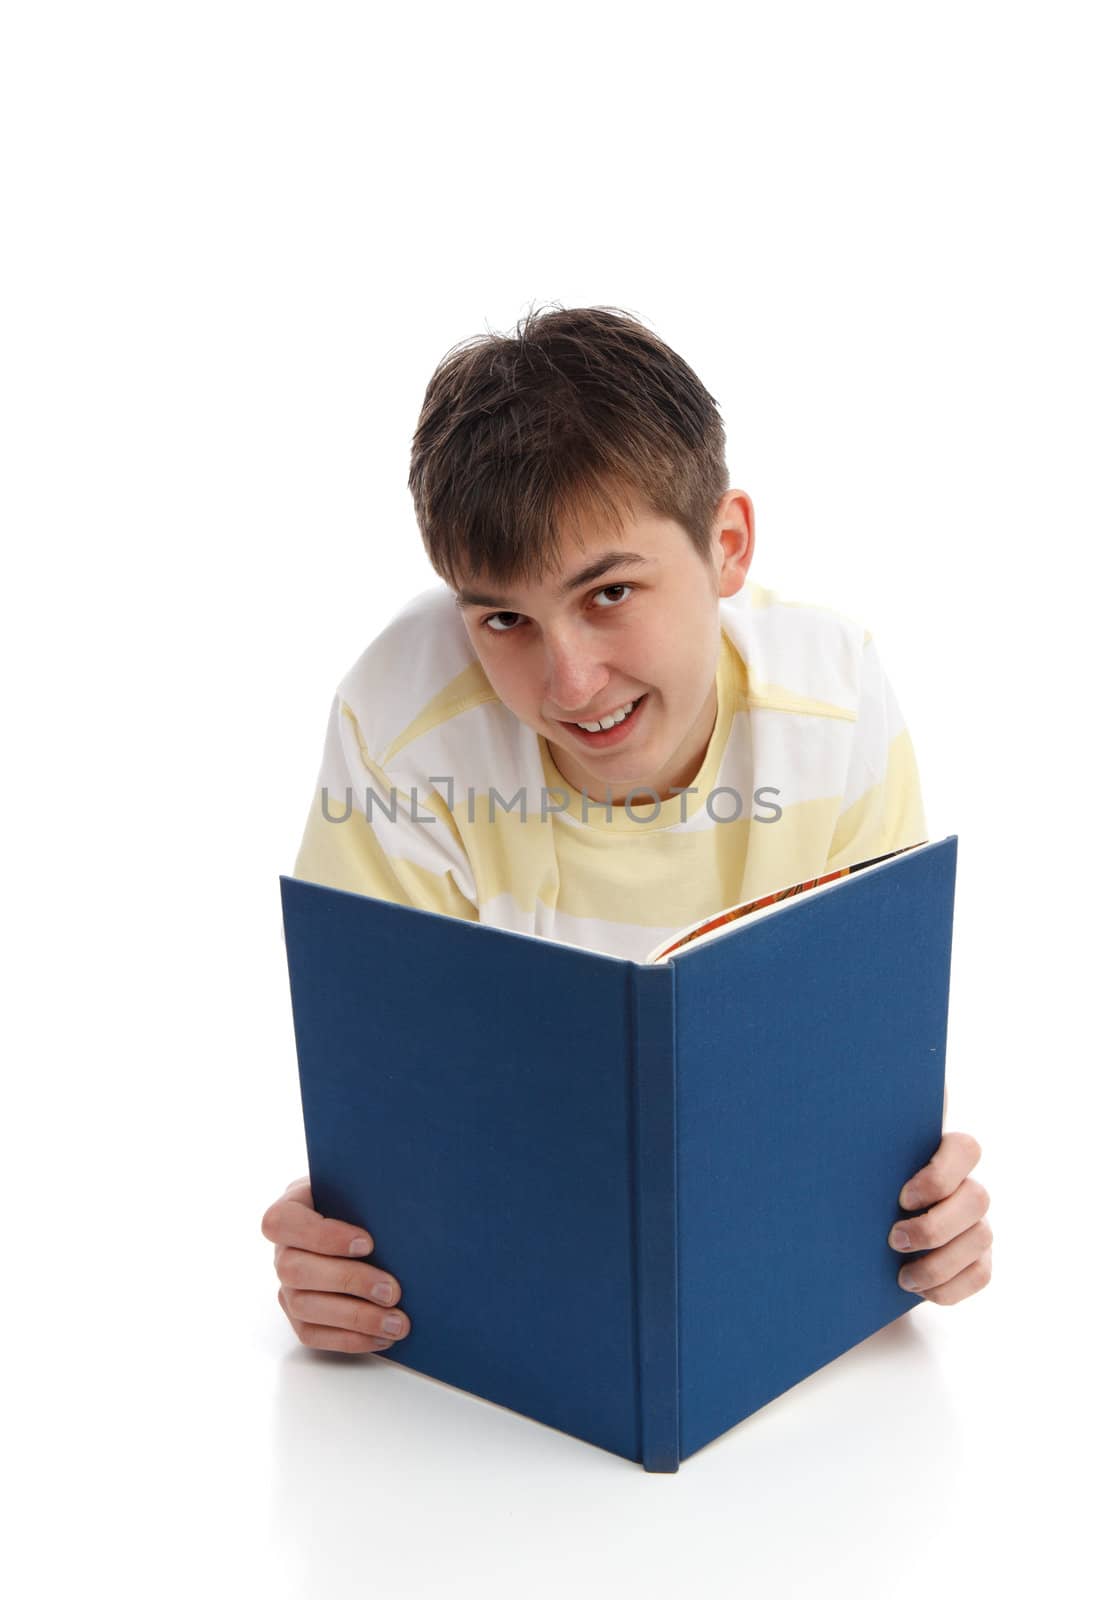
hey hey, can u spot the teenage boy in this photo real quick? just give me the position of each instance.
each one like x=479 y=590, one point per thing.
x=598 y=729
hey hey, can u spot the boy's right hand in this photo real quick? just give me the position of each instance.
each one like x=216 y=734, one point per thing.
x=333 y=1299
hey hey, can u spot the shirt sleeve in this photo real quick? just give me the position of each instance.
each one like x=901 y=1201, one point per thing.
x=881 y=809
x=366 y=834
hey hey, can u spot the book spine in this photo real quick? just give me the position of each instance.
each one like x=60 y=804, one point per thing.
x=654 y=1202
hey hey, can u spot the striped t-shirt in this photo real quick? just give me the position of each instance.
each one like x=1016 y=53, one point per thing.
x=426 y=775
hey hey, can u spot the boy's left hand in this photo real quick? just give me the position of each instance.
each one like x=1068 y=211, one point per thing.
x=953 y=1230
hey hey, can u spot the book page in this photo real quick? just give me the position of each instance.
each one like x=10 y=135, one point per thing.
x=721 y=919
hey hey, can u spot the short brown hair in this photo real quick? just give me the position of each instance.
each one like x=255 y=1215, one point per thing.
x=578 y=410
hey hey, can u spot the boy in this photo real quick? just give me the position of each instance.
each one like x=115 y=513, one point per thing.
x=599 y=730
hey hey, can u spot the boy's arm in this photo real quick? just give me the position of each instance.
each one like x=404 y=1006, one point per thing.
x=881 y=808
x=366 y=835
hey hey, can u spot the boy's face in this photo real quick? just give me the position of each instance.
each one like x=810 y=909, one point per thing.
x=578 y=646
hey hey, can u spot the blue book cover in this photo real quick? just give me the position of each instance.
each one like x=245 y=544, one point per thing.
x=634 y=1201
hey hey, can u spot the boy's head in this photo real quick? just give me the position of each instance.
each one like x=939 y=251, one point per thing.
x=579 y=440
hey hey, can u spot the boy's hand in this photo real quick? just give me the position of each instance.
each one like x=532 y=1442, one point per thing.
x=333 y=1299
x=953 y=1230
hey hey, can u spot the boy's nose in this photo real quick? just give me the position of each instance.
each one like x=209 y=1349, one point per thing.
x=574 y=679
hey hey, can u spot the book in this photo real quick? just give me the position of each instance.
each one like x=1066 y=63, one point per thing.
x=633 y=1201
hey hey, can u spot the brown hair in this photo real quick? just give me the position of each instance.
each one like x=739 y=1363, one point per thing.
x=579 y=410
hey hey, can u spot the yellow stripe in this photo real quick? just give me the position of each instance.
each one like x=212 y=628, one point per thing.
x=348 y=855
x=384 y=785
x=671 y=880
x=886 y=816
x=469 y=688
x=773 y=697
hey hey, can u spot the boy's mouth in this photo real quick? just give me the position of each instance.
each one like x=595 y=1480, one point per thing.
x=606 y=737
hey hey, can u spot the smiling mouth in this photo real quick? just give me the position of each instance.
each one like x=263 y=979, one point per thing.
x=599 y=738
x=594 y=724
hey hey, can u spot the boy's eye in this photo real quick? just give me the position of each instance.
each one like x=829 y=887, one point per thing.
x=609 y=590
x=612 y=588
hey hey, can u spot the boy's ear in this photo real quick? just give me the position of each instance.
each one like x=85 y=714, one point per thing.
x=733 y=527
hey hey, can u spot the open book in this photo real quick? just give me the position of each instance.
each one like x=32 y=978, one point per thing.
x=708 y=1145
x=707 y=926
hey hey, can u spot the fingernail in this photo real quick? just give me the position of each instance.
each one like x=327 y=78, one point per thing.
x=900 y=1239
x=906 y=1281
x=908 y=1199
x=393 y=1324
x=360 y=1247
x=386 y=1346
x=384 y=1292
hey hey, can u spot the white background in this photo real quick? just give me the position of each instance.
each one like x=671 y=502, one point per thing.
x=239 y=238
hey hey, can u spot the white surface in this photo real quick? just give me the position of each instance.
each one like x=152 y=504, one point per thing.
x=240 y=237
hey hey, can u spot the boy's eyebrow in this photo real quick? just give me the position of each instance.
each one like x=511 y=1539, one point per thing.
x=594 y=569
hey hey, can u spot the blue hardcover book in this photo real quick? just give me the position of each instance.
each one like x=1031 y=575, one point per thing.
x=635 y=1201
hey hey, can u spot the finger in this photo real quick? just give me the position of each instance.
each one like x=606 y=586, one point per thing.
x=341 y=1311
x=964 y=1284
x=301 y=1269
x=293 y=1220
x=943 y=1221
x=940 y=1266
x=956 y=1155
x=318 y=1337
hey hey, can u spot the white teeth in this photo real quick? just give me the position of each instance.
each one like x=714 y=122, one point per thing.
x=607 y=722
